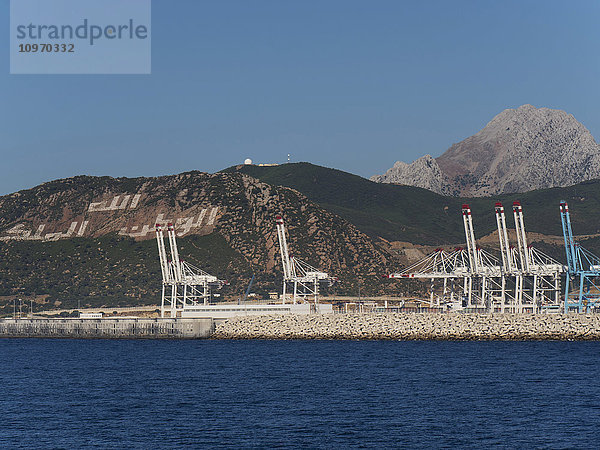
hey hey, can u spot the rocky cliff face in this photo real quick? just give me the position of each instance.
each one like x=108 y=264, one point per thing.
x=423 y=172
x=79 y=220
x=518 y=150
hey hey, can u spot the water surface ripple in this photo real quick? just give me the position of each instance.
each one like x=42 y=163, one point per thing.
x=311 y=394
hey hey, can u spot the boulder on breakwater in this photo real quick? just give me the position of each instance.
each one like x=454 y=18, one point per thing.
x=411 y=326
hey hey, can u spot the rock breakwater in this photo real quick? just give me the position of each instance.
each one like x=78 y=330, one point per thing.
x=409 y=326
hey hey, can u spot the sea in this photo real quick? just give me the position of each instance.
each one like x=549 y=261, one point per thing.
x=298 y=394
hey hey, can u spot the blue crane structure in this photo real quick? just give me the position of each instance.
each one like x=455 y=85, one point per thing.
x=247 y=293
x=582 y=287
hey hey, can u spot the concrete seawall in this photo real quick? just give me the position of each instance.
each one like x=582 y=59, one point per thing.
x=408 y=326
x=119 y=328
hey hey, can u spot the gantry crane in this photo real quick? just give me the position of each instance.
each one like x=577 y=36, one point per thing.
x=301 y=276
x=525 y=280
x=484 y=284
x=443 y=265
x=582 y=287
x=470 y=276
x=183 y=284
x=531 y=279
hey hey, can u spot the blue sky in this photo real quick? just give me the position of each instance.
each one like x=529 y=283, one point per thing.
x=349 y=84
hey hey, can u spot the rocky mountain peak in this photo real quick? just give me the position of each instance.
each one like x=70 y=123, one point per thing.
x=423 y=172
x=518 y=150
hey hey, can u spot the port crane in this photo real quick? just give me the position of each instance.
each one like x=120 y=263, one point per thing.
x=524 y=280
x=443 y=265
x=247 y=293
x=183 y=284
x=582 y=287
x=484 y=283
x=303 y=278
x=470 y=276
x=532 y=281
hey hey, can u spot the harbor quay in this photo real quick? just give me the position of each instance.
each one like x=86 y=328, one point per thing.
x=107 y=328
x=413 y=326
x=370 y=326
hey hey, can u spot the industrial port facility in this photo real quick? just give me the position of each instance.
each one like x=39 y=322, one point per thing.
x=468 y=279
x=186 y=289
x=523 y=280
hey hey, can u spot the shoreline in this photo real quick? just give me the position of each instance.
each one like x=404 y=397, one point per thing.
x=413 y=326
x=107 y=328
x=370 y=326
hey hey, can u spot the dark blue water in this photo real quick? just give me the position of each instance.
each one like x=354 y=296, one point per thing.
x=147 y=394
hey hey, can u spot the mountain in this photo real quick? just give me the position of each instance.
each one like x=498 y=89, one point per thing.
x=423 y=172
x=519 y=150
x=405 y=217
x=90 y=239
x=406 y=213
x=385 y=211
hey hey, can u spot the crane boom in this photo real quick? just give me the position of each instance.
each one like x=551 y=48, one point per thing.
x=521 y=236
x=174 y=252
x=283 y=248
x=571 y=252
x=470 y=237
x=503 y=238
x=249 y=287
x=162 y=254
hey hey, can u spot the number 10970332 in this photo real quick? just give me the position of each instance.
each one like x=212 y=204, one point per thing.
x=46 y=48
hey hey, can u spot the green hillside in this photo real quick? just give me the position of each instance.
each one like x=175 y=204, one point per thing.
x=112 y=270
x=102 y=267
x=376 y=209
x=108 y=271
x=406 y=213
